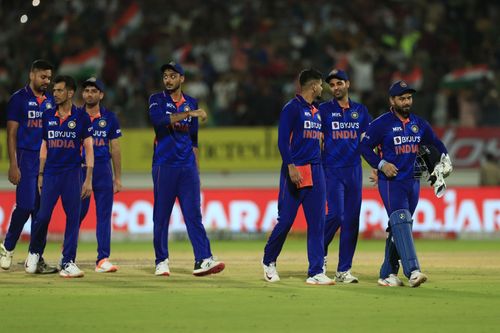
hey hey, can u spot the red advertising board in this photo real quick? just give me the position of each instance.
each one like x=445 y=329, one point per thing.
x=466 y=146
x=255 y=210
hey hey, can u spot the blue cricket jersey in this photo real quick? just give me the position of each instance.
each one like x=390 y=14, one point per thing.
x=299 y=133
x=105 y=127
x=26 y=109
x=173 y=142
x=342 y=129
x=65 y=139
x=398 y=142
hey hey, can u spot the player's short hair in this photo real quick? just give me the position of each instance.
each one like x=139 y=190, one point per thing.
x=308 y=75
x=41 y=64
x=68 y=80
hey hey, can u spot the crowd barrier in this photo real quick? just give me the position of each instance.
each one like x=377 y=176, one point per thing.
x=255 y=211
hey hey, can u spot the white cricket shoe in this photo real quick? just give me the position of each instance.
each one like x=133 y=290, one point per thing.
x=391 y=281
x=105 y=266
x=208 y=266
x=320 y=279
x=5 y=257
x=162 y=268
x=325 y=261
x=346 y=277
x=71 y=270
x=270 y=272
x=31 y=263
x=417 y=278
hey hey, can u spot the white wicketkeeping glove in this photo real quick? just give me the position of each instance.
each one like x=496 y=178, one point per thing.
x=446 y=162
x=437 y=180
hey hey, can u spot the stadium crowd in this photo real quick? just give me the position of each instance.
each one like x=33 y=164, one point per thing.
x=242 y=56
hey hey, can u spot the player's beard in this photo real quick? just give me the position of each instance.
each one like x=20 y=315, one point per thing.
x=403 y=111
x=173 y=89
x=41 y=88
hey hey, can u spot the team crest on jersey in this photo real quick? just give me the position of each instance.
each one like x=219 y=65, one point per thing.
x=48 y=106
x=354 y=115
x=187 y=108
x=102 y=123
x=72 y=124
x=414 y=129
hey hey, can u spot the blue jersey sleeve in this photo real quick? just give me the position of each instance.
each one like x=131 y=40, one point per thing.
x=14 y=106
x=285 y=127
x=114 y=130
x=367 y=119
x=156 y=114
x=87 y=127
x=430 y=138
x=372 y=139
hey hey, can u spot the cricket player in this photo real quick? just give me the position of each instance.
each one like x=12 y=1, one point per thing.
x=344 y=124
x=398 y=134
x=24 y=137
x=106 y=133
x=302 y=180
x=176 y=172
x=66 y=129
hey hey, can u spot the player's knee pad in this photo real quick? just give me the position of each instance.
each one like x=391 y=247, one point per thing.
x=401 y=227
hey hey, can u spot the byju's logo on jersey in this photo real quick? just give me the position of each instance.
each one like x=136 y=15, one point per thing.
x=72 y=124
x=397 y=140
x=414 y=129
x=102 y=123
x=397 y=129
x=335 y=125
x=34 y=114
x=354 y=115
x=311 y=124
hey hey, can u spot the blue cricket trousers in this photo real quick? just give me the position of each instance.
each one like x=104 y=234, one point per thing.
x=27 y=196
x=396 y=194
x=182 y=183
x=68 y=186
x=313 y=203
x=343 y=196
x=102 y=186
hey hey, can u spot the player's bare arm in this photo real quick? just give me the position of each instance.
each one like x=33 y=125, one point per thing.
x=14 y=171
x=199 y=113
x=89 y=162
x=294 y=173
x=43 y=158
x=116 y=158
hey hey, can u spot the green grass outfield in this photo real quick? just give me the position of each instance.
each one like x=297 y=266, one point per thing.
x=461 y=295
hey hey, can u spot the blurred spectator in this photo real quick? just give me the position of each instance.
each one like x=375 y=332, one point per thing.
x=490 y=170
x=241 y=55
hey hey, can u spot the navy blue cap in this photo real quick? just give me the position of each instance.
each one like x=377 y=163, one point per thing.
x=173 y=66
x=92 y=81
x=399 y=88
x=337 y=74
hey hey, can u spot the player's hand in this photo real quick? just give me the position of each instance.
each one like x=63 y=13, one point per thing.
x=14 y=175
x=86 y=189
x=117 y=185
x=374 y=177
x=294 y=173
x=200 y=113
x=389 y=170
x=40 y=182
